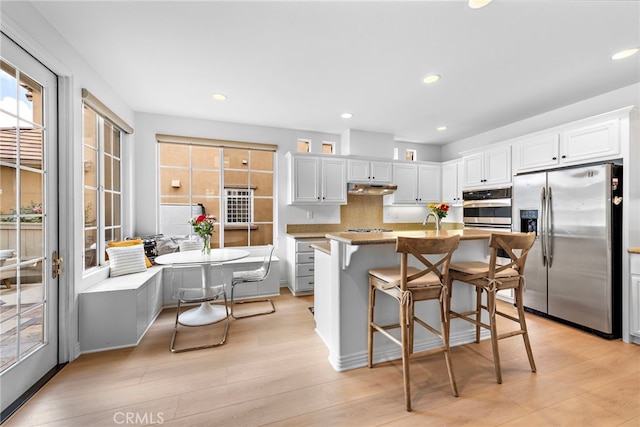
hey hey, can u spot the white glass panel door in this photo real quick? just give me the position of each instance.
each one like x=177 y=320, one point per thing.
x=28 y=222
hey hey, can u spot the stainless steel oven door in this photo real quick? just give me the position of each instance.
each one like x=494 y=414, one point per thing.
x=490 y=212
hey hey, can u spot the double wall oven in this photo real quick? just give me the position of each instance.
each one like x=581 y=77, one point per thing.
x=487 y=209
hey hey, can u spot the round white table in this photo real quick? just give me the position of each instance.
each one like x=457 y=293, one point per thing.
x=206 y=313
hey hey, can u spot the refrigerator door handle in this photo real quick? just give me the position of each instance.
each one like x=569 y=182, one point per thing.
x=541 y=228
x=549 y=228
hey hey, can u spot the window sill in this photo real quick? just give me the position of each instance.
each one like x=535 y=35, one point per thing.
x=240 y=227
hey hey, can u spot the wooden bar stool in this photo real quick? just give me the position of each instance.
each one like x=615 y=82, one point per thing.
x=408 y=285
x=491 y=278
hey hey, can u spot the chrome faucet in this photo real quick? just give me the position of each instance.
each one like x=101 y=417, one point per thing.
x=435 y=218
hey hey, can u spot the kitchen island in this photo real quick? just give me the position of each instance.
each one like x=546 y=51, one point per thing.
x=342 y=289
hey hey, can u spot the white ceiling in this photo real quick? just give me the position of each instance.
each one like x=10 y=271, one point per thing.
x=301 y=64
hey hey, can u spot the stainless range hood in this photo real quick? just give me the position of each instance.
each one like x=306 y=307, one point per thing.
x=371 y=189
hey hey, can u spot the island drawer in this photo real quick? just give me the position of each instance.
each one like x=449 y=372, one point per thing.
x=300 y=271
x=304 y=284
x=305 y=245
x=304 y=257
x=304 y=270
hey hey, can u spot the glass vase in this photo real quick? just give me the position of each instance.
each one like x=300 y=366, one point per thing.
x=206 y=247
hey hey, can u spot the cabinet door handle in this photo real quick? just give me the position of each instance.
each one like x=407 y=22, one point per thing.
x=564 y=157
x=554 y=158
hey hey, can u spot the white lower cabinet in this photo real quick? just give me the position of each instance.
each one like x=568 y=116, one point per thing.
x=300 y=269
x=634 y=293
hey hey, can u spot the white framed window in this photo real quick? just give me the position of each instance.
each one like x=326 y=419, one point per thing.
x=103 y=134
x=328 y=147
x=233 y=181
x=304 y=145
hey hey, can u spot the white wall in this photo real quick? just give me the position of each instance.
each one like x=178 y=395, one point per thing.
x=424 y=152
x=365 y=143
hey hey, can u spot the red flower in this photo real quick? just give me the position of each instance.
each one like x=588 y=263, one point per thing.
x=201 y=218
x=439 y=209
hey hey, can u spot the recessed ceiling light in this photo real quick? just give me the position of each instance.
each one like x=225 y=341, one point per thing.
x=431 y=79
x=625 y=53
x=478 y=4
x=441 y=128
x=219 y=97
x=346 y=115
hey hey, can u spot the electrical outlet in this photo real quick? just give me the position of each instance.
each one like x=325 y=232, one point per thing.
x=309 y=214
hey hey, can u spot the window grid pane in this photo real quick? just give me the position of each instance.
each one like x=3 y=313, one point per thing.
x=229 y=183
x=239 y=206
x=102 y=179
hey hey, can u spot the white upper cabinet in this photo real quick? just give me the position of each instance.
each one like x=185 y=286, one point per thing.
x=333 y=182
x=405 y=176
x=574 y=145
x=317 y=180
x=369 y=171
x=429 y=184
x=596 y=141
x=489 y=168
x=417 y=184
x=452 y=176
x=536 y=153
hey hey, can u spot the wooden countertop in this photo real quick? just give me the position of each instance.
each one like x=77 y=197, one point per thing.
x=634 y=250
x=382 y=238
x=324 y=247
x=308 y=235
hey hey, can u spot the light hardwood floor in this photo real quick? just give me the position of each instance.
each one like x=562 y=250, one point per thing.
x=273 y=370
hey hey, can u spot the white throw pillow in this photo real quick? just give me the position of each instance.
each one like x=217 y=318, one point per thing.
x=191 y=245
x=126 y=260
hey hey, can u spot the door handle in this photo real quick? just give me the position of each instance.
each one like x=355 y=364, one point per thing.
x=56 y=265
x=541 y=227
x=550 y=228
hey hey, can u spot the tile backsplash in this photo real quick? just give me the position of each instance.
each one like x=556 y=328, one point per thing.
x=362 y=212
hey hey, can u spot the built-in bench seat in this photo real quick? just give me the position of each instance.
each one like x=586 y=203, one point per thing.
x=117 y=311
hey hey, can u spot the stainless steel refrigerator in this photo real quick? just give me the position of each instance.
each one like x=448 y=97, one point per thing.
x=574 y=270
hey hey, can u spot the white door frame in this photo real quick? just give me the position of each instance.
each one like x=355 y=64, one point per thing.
x=68 y=347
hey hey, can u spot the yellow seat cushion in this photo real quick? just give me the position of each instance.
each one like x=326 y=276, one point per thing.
x=477 y=267
x=392 y=274
x=132 y=242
